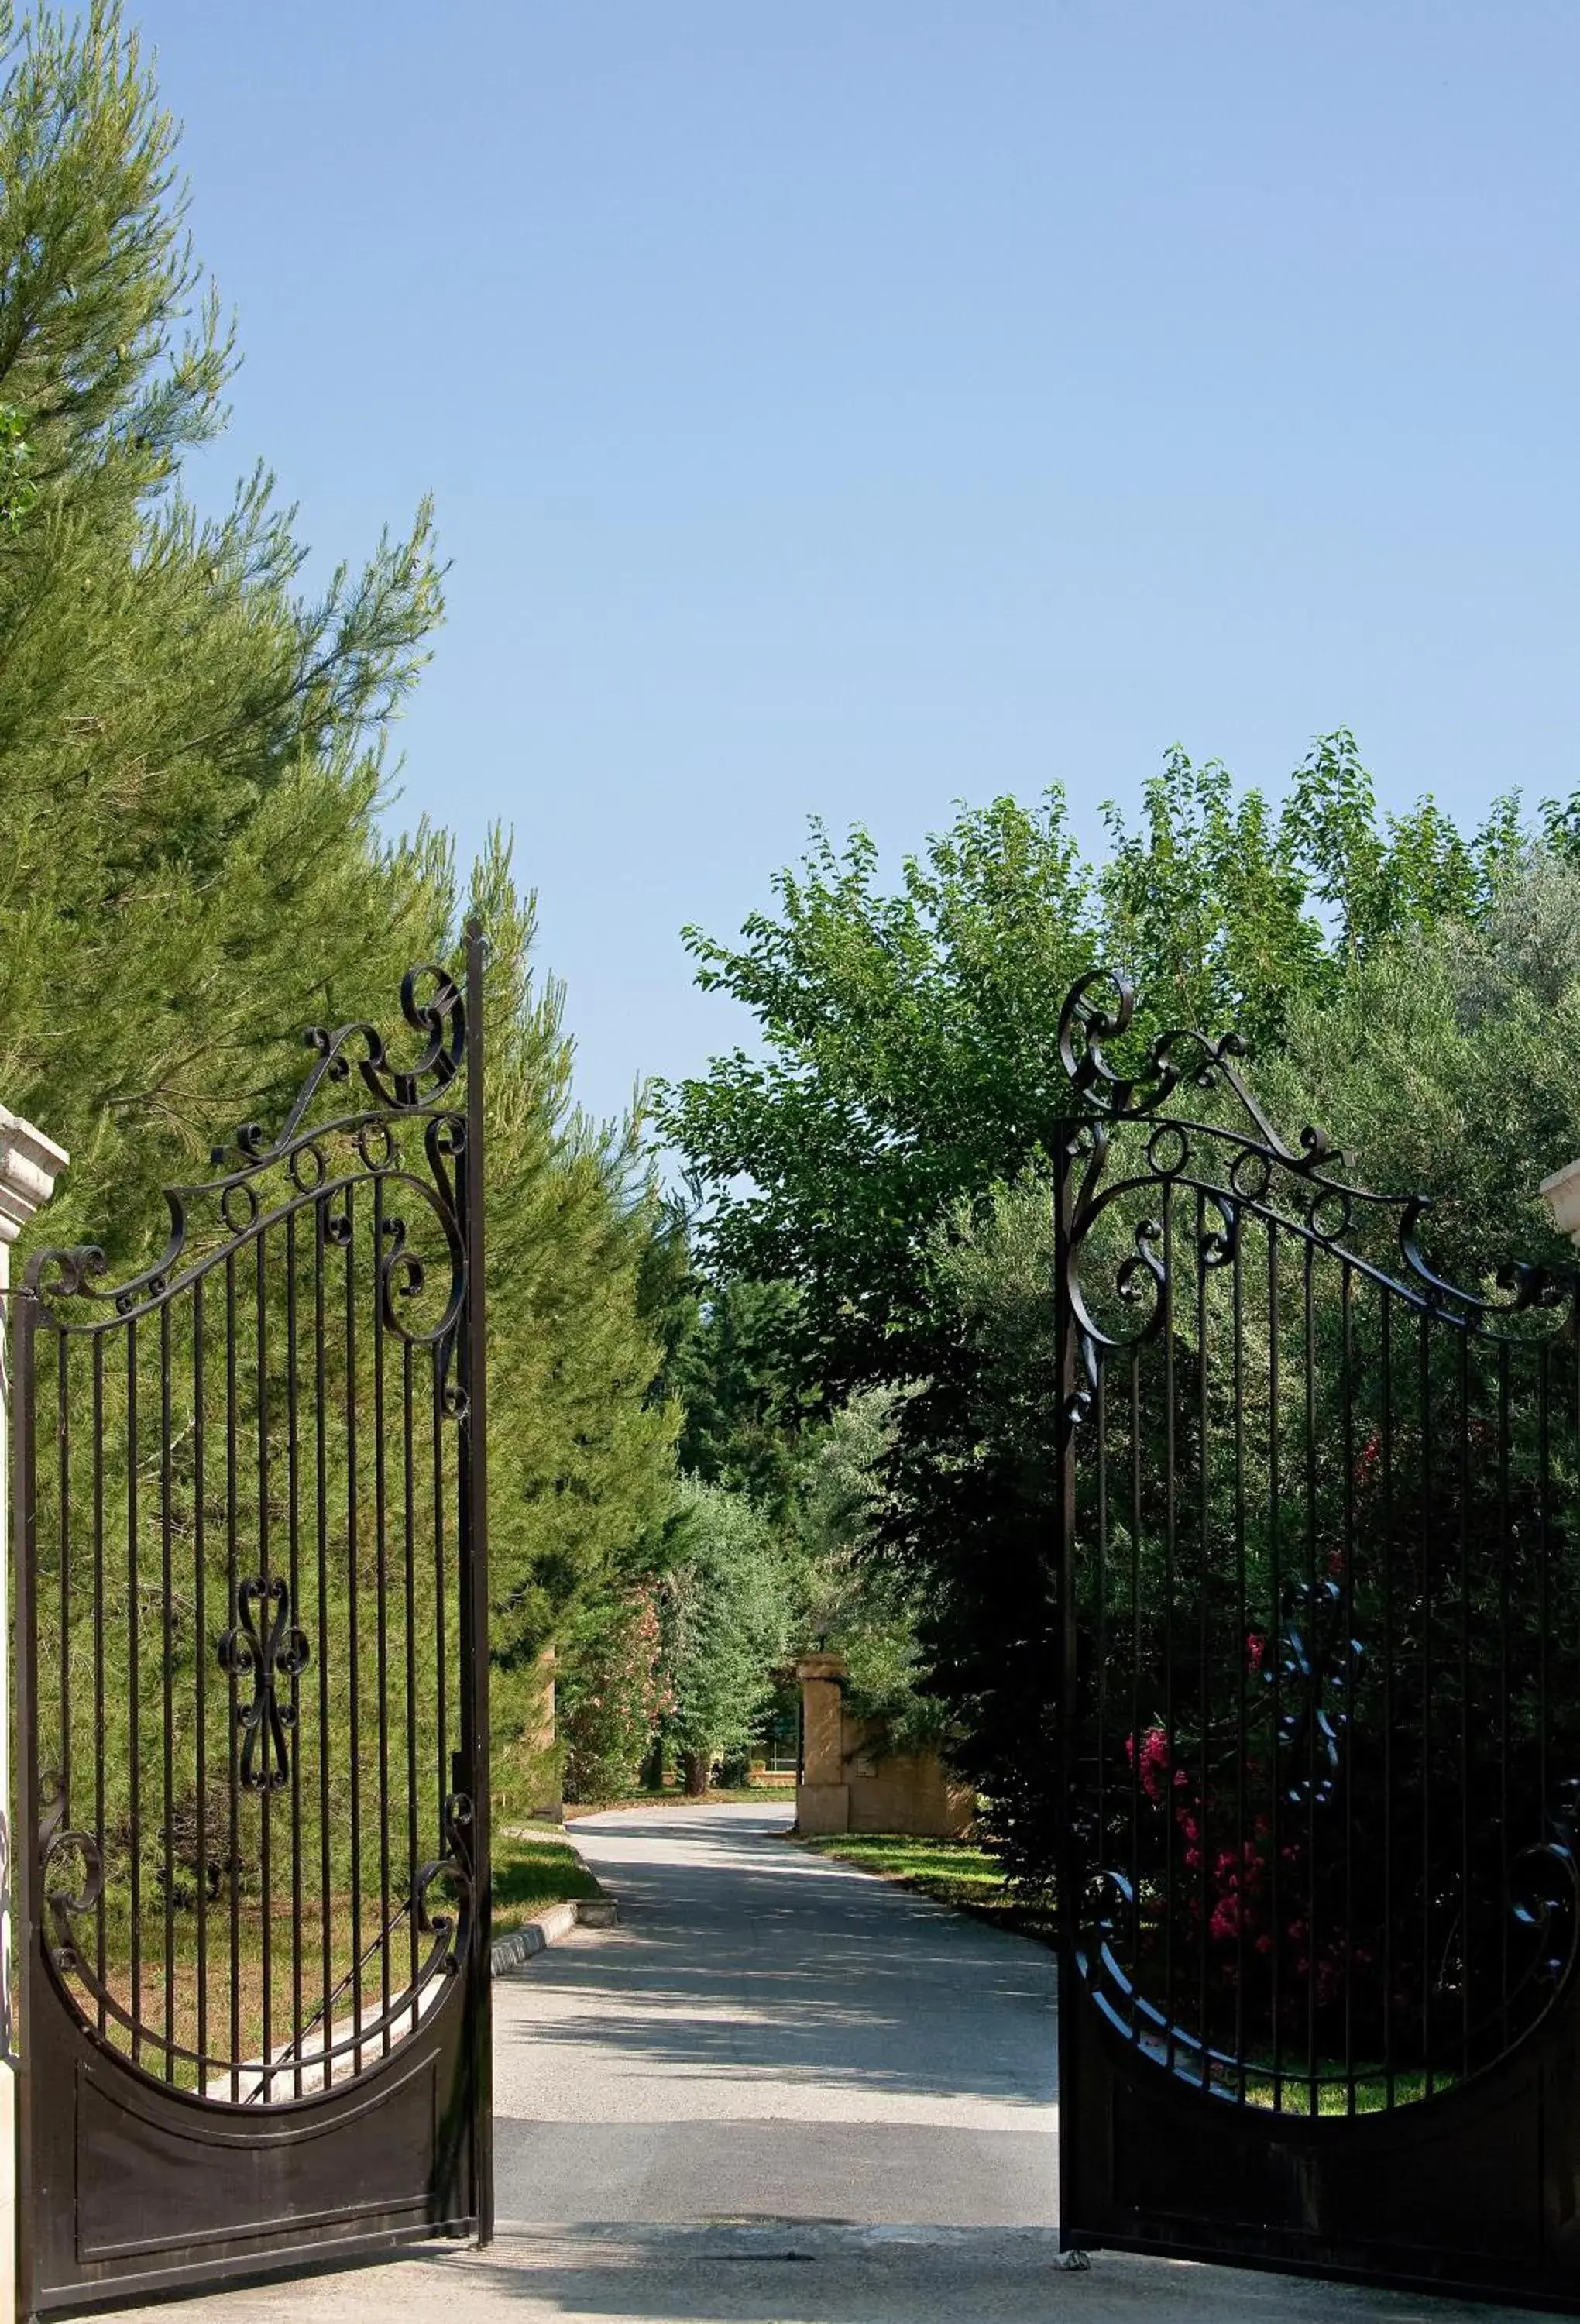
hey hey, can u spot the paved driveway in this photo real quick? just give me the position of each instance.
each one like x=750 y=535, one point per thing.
x=769 y=2034
x=781 y=2093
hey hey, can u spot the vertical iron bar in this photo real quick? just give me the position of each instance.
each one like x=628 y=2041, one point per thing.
x=321 y=1523
x=1171 y=1547
x=1425 y=1537
x=1136 y=1668
x=413 y=1836
x=100 y=1932
x=231 y=1613
x=133 y=1695
x=22 y=1319
x=1544 y=1572
x=1313 y=1705
x=266 y=1568
x=1505 y=1682
x=167 y=1579
x=1203 y=1581
x=200 y=1664
x=294 y=1549
x=441 y=1626
x=63 y=1536
x=1242 y=1656
x=1465 y=1897
x=475 y=1604
x=1276 y=1647
x=353 y=1653
x=1070 y=1870
x=1100 y=1418
x=381 y=1584
x=1347 y=1589
x=1390 y=1708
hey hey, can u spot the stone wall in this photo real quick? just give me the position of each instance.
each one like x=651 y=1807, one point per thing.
x=849 y=1783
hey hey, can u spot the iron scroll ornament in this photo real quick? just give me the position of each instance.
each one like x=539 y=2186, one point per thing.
x=1544 y=1912
x=59 y=1842
x=1242 y=1166
x=312 y=1159
x=272 y=1653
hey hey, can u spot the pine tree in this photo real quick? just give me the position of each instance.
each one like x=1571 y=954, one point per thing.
x=191 y=755
x=194 y=759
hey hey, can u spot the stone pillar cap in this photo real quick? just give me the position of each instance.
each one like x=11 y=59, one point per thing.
x=29 y=1164
x=821 y=1667
x=1561 y=1193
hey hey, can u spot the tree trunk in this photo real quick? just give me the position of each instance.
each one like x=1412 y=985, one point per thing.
x=694 y=1767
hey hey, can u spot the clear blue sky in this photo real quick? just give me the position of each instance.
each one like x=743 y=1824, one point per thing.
x=847 y=408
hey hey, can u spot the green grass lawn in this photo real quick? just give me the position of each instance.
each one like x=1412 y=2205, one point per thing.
x=532 y=1867
x=954 y=1871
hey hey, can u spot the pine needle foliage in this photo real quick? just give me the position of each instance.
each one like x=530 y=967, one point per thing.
x=195 y=764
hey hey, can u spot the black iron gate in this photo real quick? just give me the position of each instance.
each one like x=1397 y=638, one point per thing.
x=253 y=1872
x=1321 y=1704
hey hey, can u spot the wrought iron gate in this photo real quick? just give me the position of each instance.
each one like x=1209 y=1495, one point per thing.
x=1321 y=1704
x=252 y=1718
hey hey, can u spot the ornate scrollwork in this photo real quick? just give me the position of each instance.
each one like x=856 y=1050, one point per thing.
x=1313 y=1675
x=439 y=1018
x=59 y=1842
x=1544 y=1890
x=1237 y=1165
x=271 y=1656
x=454 y=1868
x=271 y=1172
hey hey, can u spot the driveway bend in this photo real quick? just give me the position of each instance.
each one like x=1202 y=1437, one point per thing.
x=771 y=2034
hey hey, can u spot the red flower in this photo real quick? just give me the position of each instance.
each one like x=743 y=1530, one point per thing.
x=1155 y=1760
x=1255 y=1647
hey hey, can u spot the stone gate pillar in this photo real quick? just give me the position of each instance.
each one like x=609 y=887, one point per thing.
x=29 y=1164
x=822 y=1794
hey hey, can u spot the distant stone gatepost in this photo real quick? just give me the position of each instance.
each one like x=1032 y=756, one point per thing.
x=849 y=1782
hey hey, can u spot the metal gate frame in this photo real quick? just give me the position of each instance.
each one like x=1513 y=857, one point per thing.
x=1168 y=2142
x=129 y=2185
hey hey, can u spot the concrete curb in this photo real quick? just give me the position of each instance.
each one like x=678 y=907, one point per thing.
x=547 y=1928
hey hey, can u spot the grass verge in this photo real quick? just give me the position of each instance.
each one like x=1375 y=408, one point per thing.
x=532 y=1867
x=955 y=1872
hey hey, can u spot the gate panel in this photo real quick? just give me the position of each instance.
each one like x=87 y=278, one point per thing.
x=1322 y=1704
x=252 y=1699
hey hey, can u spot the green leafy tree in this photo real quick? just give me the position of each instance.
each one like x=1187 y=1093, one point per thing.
x=726 y=1605
x=910 y=1075
x=898 y=1071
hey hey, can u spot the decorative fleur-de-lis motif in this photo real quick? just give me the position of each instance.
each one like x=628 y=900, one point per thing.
x=266 y=1655
x=1314 y=1669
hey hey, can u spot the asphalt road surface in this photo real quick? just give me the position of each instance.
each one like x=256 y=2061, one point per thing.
x=771 y=2034
x=781 y=2092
